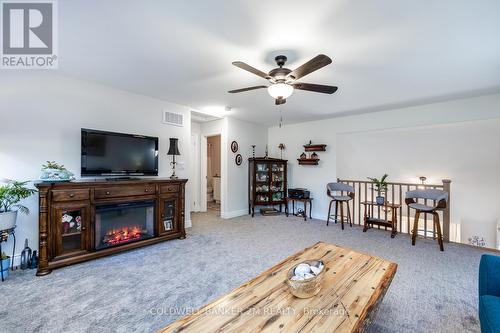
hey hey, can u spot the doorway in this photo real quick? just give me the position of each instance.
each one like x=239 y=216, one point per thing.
x=213 y=169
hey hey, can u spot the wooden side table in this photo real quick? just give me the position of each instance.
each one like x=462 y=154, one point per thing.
x=370 y=221
x=304 y=202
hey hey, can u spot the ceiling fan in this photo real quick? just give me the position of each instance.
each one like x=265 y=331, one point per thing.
x=284 y=81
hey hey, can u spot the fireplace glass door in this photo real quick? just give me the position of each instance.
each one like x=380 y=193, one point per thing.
x=71 y=229
x=168 y=214
x=119 y=224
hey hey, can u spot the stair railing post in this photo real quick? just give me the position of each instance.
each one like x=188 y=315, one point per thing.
x=446 y=212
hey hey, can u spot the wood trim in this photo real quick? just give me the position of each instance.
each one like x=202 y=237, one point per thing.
x=315 y=147
x=390 y=183
x=308 y=161
x=43 y=231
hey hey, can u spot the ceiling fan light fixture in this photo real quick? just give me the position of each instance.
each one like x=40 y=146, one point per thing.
x=280 y=90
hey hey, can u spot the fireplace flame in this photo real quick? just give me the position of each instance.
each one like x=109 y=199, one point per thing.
x=123 y=235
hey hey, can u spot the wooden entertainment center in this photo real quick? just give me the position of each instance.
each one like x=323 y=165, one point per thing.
x=86 y=219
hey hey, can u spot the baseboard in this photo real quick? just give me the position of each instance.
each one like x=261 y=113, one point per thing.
x=188 y=224
x=234 y=213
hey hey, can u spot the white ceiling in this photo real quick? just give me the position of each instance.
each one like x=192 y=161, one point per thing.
x=386 y=53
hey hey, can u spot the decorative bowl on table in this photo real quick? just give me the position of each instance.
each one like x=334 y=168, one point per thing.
x=55 y=172
x=304 y=279
x=56 y=175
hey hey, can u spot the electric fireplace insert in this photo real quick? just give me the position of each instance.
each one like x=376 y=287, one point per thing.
x=118 y=224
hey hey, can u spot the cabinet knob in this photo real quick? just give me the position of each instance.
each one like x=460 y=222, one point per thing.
x=84 y=228
x=146 y=190
x=71 y=195
x=107 y=193
x=162 y=215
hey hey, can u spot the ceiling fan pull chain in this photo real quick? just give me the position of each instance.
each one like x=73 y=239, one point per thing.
x=281 y=117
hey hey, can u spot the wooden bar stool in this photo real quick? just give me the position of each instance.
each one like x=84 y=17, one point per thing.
x=331 y=191
x=439 y=197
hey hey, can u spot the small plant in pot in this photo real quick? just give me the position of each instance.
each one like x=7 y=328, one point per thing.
x=10 y=196
x=53 y=171
x=5 y=265
x=380 y=186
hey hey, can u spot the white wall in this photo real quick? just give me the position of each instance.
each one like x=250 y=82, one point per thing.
x=234 y=179
x=245 y=134
x=194 y=169
x=41 y=117
x=468 y=156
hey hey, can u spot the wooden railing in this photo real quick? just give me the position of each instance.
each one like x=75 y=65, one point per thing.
x=364 y=191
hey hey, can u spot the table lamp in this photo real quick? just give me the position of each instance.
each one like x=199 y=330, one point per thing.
x=173 y=150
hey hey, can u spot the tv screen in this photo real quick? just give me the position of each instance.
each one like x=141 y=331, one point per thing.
x=110 y=154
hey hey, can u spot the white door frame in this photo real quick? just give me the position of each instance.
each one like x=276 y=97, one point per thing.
x=203 y=168
x=195 y=172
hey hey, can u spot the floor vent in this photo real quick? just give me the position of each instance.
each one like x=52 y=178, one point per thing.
x=171 y=118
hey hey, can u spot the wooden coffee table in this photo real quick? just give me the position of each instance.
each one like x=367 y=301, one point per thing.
x=353 y=285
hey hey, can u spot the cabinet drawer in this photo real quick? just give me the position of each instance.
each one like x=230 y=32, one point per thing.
x=172 y=188
x=124 y=191
x=70 y=195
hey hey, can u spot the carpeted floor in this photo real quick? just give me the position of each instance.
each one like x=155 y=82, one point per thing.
x=145 y=289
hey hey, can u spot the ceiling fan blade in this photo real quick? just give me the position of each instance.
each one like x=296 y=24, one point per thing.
x=250 y=69
x=280 y=101
x=315 y=87
x=312 y=65
x=245 y=89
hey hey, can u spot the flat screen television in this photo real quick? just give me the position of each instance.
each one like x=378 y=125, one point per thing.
x=118 y=154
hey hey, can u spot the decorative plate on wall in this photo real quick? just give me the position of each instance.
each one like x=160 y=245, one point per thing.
x=238 y=159
x=234 y=146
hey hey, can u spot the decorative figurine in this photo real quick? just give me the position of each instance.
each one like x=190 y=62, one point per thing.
x=281 y=147
x=267 y=151
x=34 y=260
x=55 y=172
x=25 y=255
x=253 y=151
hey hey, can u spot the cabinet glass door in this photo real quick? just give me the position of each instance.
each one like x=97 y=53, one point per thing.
x=277 y=182
x=168 y=215
x=71 y=225
x=262 y=182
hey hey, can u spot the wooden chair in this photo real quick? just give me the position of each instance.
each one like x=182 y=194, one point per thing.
x=441 y=201
x=332 y=190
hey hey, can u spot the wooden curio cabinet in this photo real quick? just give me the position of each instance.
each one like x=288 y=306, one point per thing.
x=267 y=182
x=71 y=234
x=169 y=222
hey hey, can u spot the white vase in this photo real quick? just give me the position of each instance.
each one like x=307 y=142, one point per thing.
x=8 y=220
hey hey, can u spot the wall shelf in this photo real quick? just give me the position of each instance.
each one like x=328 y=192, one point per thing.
x=308 y=161
x=318 y=147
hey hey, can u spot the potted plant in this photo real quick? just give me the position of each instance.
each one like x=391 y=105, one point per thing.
x=53 y=171
x=5 y=264
x=10 y=196
x=380 y=187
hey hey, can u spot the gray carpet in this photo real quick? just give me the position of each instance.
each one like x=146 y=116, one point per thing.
x=145 y=289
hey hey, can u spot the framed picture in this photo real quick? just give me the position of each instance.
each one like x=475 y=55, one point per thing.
x=238 y=159
x=234 y=146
